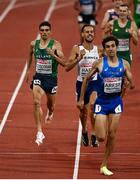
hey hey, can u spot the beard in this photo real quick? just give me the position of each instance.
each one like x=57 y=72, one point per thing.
x=89 y=40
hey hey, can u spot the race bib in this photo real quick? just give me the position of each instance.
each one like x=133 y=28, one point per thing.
x=112 y=85
x=87 y=9
x=84 y=71
x=44 y=66
x=123 y=45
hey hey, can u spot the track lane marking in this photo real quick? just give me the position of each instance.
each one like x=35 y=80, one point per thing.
x=7 y=10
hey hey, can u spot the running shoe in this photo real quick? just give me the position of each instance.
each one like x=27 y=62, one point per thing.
x=48 y=117
x=85 y=139
x=104 y=170
x=39 y=138
x=94 y=141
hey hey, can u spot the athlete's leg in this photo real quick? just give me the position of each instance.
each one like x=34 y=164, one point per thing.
x=94 y=141
x=37 y=94
x=101 y=126
x=83 y=118
x=38 y=113
x=93 y=97
x=50 y=106
x=113 y=123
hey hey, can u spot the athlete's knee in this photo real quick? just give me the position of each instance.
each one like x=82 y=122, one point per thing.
x=101 y=136
x=112 y=134
x=36 y=102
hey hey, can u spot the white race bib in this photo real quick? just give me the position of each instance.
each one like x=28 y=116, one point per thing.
x=44 y=66
x=84 y=71
x=123 y=45
x=112 y=85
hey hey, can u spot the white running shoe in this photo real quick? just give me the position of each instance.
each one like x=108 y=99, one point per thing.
x=39 y=138
x=48 y=117
x=104 y=170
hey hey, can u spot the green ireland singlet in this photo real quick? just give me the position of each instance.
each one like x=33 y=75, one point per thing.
x=123 y=36
x=45 y=63
x=137 y=12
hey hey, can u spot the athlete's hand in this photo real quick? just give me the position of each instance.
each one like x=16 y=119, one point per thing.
x=81 y=54
x=50 y=51
x=132 y=86
x=80 y=105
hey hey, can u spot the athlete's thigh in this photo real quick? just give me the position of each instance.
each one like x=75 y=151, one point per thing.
x=93 y=97
x=101 y=125
x=38 y=92
x=113 y=122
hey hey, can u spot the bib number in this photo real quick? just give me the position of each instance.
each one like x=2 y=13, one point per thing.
x=112 y=85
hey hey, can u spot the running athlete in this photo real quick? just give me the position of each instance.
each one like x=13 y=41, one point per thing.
x=87 y=11
x=111 y=14
x=46 y=53
x=108 y=105
x=83 y=56
x=124 y=30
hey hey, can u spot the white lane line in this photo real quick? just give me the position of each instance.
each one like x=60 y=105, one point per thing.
x=7 y=10
x=77 y=157
x=4 y=119
x=32 y=3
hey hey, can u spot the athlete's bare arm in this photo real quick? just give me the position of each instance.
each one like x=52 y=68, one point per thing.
x=30 y=59
x=75 y=56
x=57 y=53
x=108 y=28
x=105 y=20
x=129 y=74
x=134 y=32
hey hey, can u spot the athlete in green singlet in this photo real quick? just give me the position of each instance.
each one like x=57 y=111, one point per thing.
x=124 y=30
x=47 y=54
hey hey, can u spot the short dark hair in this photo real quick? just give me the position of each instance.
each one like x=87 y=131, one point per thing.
x=45 y=23
x=87 y=25
x=124 y=5
x=109 y=38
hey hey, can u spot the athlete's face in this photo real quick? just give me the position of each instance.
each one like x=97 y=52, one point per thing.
x=45 y=32
x=111 y=48
x=88 y=34
x=123 y=12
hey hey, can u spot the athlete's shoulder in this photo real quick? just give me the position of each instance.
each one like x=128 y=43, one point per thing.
x=57 y=44
x=126 y=63
x=32 y=44
x=110 y=10
x=77 y=46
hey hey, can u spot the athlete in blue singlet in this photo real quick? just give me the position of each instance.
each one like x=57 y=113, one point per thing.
x=108 y=106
